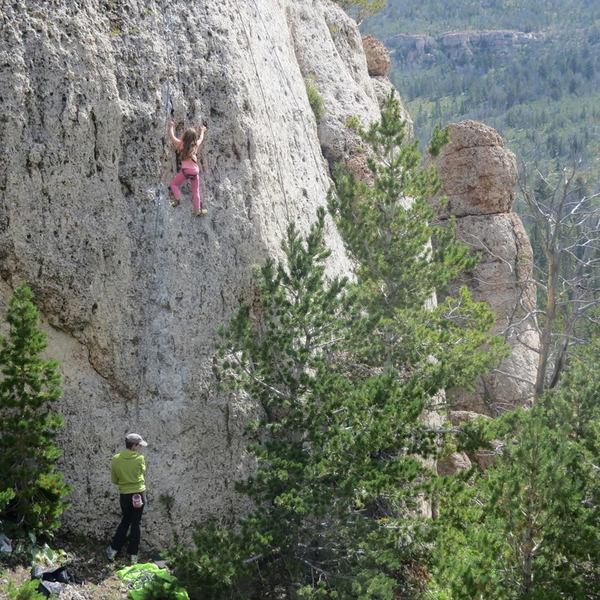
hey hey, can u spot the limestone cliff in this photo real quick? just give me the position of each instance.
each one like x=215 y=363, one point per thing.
x=132 y=290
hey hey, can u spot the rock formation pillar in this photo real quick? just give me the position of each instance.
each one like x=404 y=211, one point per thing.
x=478 y=175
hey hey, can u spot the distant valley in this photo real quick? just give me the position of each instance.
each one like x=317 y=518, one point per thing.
x=531 y=73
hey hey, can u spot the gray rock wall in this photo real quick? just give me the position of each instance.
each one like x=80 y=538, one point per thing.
x=132 y=291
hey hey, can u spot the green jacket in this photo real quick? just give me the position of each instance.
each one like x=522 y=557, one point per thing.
x=127 y=471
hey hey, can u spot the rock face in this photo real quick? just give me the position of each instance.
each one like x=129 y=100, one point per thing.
x=478 y=176
x=132 y=290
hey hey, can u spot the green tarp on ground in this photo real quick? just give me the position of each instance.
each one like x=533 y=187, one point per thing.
x=140 y=576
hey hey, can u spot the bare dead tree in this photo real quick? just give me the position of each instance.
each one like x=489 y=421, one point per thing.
x=564 y=222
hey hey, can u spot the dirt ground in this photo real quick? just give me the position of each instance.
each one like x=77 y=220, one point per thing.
x=86 y=560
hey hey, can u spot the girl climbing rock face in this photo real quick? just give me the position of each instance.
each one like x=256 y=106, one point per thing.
x=188 y=146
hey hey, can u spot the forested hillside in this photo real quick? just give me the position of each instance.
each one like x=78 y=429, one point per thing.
x=530 y=68
x=438 y=16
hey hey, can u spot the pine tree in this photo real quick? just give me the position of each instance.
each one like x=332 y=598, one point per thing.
x=29 y=385
x=338 y=484
x=404 y=258
x=341 y=387
x=361 y=9
x=529 y=527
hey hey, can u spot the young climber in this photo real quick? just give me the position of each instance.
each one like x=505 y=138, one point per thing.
x=188 y=147
x=127 y=471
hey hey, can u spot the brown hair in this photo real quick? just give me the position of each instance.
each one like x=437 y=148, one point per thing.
x=189 y=141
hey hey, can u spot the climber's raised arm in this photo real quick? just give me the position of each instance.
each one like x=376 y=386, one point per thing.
x=172 y=135
x=201 y=132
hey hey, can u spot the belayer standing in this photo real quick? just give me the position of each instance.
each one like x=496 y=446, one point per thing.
x=128 y=469
x=188 y=146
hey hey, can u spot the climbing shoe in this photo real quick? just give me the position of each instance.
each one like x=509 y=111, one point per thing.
x=110 y=553
x=172 y=200
x=133 y=559
x=201 y=213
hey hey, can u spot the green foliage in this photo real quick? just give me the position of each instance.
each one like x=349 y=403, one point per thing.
x=439 y=138
x=39 y=554
x=387 y=228
x=219 y=565
x=340 y=375
x=5 y=497
x=361 y=9
x=353 y=123
x=28 y=387
x=27 y=591
x=529 y=528
x=30 y=550
x=314 y=98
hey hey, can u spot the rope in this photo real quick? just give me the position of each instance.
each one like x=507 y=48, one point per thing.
x=161 y=193
x=169 y=38
x=156 y=212
x=262 y=91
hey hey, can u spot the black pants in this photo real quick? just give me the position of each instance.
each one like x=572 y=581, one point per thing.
x=131 y=518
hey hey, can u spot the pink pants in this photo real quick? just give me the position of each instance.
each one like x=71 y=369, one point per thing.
x=191 y=172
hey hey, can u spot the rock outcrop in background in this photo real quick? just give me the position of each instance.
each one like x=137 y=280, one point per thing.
x=478 y=175
x=460 y=44
x=132 y=290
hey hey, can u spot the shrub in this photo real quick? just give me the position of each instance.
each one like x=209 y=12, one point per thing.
x=314 y=98
x=27 y=591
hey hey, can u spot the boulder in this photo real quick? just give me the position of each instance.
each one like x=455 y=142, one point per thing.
x=455 y=463
x=132 y=291
x=478 y=173
x=460 y=417
x=378 y=56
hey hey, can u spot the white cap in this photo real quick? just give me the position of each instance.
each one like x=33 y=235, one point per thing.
x=135 y=438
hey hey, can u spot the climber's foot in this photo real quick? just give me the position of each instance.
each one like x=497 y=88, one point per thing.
x=174 y=202
x=202 y=212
